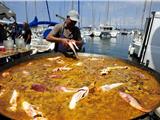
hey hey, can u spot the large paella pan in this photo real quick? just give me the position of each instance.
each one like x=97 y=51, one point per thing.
x=94 y=87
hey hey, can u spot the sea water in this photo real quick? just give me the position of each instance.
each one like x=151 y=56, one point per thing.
x=116 y=47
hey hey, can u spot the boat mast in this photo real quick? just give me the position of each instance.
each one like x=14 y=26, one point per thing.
x=26 y=11
x=79 y=12
x=92 y=16
x=150 y=8
x=72 y=6
x=35 y=6
x=48 y=11
x=108 y=12
x=144 y=9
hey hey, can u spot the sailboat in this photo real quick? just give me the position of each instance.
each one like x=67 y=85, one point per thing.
x=96 y=32
x=40 y=29
x=107 y=30
x=138 y=36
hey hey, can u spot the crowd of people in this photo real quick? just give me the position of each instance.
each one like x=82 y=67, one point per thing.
x=14 y=31
x=62 y=35
x=3 y=33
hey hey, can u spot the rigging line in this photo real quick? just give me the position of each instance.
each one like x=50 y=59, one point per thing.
x=48 y=11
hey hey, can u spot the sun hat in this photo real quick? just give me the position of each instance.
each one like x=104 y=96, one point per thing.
x=73 y=15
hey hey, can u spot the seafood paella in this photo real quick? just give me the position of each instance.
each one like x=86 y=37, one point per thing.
x=90 y=87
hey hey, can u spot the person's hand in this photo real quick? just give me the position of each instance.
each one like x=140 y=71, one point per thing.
x=65 y=42
x=72 y=40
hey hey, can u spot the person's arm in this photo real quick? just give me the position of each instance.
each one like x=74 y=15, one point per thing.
x=52 y=36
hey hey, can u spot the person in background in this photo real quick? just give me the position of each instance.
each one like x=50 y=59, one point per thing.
x=64 y=32
x=15 y=31
x=26 y=33
x=3 y=34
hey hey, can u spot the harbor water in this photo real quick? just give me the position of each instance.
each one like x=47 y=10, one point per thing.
x=116 y=47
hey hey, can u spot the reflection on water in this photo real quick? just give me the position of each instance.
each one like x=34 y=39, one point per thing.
x=117 y=47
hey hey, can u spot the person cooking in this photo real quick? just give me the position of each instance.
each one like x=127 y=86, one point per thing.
x=65 y=33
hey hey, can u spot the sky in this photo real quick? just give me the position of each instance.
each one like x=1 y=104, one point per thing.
x=120 y=13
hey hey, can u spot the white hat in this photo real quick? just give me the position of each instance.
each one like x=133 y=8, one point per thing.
x=73 y=15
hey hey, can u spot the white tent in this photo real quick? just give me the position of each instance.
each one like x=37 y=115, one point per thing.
x=5 y=12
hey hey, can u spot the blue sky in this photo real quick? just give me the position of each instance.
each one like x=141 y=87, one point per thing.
x=120 y=13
